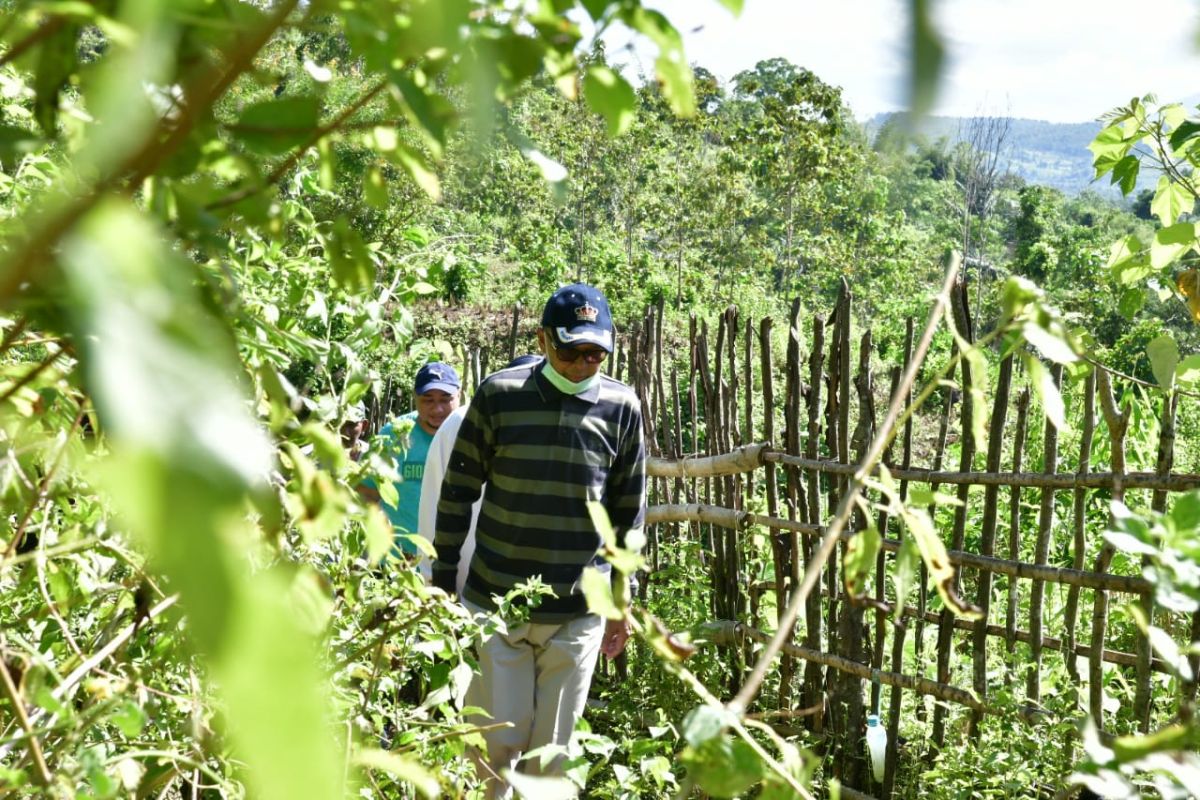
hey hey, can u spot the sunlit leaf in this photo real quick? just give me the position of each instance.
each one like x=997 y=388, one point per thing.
x=861 y=553
x=540 y=787
x=403 y=767
x=724 y=767
x=905 y=570
x=419 y=170
x=1171 y=199
x=597 y=590
x=937 y=561
x=277 y=126
x=611 y=96
x=1164 y=357
x=1047 y=392
x=704 y=723
x=1171 y=243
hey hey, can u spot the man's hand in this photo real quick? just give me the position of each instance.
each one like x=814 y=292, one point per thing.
x=616 y=633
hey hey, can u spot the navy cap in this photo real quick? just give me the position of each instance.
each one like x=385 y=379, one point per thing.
x=437 y=376
x=578 y=314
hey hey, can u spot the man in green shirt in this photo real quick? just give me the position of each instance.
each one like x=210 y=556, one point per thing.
x=436 y=394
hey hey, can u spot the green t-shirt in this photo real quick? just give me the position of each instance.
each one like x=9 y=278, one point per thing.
x=410 y=464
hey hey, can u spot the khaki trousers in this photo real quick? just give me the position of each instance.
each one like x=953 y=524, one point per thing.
x=536 y=677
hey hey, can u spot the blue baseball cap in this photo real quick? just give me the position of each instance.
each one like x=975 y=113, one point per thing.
x=578 y=314
x=437 y=376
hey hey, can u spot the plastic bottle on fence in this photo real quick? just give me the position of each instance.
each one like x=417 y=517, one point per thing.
x=876 y=745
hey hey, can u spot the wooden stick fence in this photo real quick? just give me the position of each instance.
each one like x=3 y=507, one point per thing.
x=1010 y=563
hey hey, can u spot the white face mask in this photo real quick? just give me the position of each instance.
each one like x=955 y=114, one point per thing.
x=565 y=385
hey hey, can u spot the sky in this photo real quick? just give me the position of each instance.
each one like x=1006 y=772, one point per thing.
x=1055 y=60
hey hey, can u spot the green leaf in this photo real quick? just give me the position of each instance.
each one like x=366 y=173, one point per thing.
x=16 y=142
x=905 y=572
x=399 y=766
x=611 y=96
x=1185 y=512
x=674 y=74
x=1185 y=136
x=185 y=455
x=937 y=561
x=1131 y=302
x=1108 y=148
x=377 y=529
x=1188 y=370
x=595 y=8
x=1125 y=173
x=1170 y=200
x=723 y=767
x=540 y=787
x=412 y=162
x=375 y=191
x=129 y=718
x=1164 y=357
x=926 y=56
x=1049 y=394
x=734 y=6
x=978 y=395
x=1129 y=260
x=430 y=112
x=861 y=553
x=1053 y=344
x=1171 y=243
x=276 y=126
x=353 y=266
x=597 y=590
x=704 y=723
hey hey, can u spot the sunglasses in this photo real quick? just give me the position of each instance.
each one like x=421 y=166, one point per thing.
x=573 y=354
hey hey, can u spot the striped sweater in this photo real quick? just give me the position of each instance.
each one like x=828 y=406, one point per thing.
x=542 y=455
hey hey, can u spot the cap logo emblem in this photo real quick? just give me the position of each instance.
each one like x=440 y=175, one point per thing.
x=587 y=313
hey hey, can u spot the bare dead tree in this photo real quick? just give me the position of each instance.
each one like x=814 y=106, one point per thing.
x=982 y=162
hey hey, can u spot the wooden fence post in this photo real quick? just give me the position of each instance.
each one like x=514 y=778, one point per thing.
x=945 y=641
x=1079 y=544
x=987 y=545
x=809 y=511
x=896 y=700
x=1166 y=459
x=1118 y=423
x=1033 y=678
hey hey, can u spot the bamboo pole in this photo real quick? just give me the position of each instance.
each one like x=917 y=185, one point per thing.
x=851 y=625
x=1014 y=530
x=1118 y=657
x=987 y=545
x=880 y=639
x=923 y=575
x=787 y=664
x=1033 y=679
x=1127 y=584
x=960 y=306
x=1166 y=459
x=1078 y=520
x=727 y=633
x=901 y=629
x=810 y=511
x=741 y=459
x=1062 y=480
x=1118 y=424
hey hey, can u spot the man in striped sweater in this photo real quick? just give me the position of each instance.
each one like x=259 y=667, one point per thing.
x=545 y=438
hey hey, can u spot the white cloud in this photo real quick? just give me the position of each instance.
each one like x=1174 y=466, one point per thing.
x=1063 y=60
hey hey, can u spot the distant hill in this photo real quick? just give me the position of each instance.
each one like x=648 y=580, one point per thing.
x=1047 y=153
